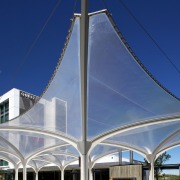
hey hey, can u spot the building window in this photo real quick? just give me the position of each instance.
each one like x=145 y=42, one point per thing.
x=4 y=111
x=4 y=116
x=3 y=163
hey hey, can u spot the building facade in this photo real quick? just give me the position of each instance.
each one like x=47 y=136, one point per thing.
x=14 y=103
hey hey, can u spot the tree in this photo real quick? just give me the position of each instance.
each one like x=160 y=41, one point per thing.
x=159 y=162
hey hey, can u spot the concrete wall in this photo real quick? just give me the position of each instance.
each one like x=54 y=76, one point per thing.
x=127 y=171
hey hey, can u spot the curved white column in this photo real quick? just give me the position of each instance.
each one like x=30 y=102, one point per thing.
x=151 y=158
x=36 y=173
x=24 y=172
x=84 y=167
x=151 y=173
x=62 y=174
x=16 y=173
x=90 y=174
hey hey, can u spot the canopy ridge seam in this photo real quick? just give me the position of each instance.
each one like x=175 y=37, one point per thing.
x=167 y=139
x=137 y=125
x=61 y=55
x=168 y=148
x=136 y=58
x=117 y=144
x=56 y=68
x=57 y=135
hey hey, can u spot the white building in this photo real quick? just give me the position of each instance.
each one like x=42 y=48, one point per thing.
x=14 y=103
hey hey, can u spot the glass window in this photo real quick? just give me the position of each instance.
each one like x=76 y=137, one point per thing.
x=4 y=116
x=2 y=119
x=4 y=111
x=7 y=106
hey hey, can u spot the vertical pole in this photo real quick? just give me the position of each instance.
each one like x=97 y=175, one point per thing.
x=74 y=175
x=94 y=175
x=84 y=25
x=24 y=172
x=120 y=157
x=36 y=173
x=84 y=167
x=16 y=173
x=131 y=157
x=90 y=174
x=62 y=174
x=150 y=158
x=83 y=61
x=151 y=173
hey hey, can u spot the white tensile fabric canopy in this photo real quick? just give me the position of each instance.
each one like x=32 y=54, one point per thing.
x=126 y=107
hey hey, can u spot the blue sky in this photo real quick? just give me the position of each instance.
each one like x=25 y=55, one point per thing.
x=30 y=43
x=28 y=60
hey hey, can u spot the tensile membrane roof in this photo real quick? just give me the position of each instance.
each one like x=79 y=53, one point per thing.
x=126 y=107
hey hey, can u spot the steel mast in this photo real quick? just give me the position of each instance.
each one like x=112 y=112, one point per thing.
x=84 y=26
